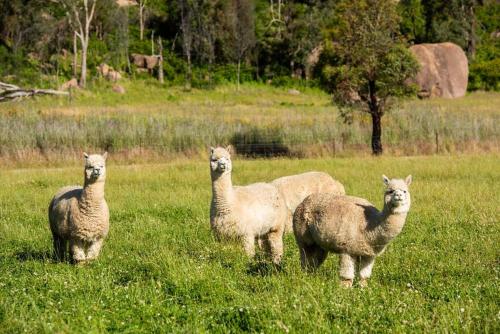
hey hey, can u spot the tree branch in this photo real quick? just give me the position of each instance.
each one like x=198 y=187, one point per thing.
x=13 y=92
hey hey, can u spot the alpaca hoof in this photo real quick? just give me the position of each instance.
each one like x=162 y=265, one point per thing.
x=346 y=283
x=80 y=263
x=363 y=282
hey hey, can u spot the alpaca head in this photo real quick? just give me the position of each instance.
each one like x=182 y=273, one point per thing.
x=397 y=194
x=220 y=160
x=95 y=167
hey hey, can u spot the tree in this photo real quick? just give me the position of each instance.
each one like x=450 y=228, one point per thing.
x=369 y=63
x=242 y=24
x=413 y=20
x=187 y=23
x=80 y=17
x=142 y=19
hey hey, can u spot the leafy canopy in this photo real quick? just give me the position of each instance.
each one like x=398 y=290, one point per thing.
x=368 y=61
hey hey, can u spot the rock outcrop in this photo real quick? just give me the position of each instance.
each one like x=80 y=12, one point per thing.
x=444 y=70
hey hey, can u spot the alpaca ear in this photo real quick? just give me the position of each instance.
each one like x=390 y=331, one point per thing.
x=385 y=179
x=408 y=180
x=105 y=155
x=85 y=155
x=230 y=149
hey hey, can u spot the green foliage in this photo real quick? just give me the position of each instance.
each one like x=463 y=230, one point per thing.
x=412 y=23
x=368 y=57
x=285 y=34
x=484 y=69
x=485 y=75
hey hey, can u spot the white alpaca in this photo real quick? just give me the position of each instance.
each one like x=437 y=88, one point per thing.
x=248 y=213
x=351 y=227
x=295 y=188
x=79 y=215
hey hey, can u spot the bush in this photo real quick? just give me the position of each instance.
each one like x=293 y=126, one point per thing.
x=485 y=75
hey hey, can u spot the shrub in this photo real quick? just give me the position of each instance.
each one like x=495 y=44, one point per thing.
x=485 y=75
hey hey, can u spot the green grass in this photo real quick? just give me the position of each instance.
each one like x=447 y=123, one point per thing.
x=151 y=121
x=162 y=271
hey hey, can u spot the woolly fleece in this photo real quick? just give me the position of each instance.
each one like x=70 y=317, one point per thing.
x=80 y=216
x=350 y=226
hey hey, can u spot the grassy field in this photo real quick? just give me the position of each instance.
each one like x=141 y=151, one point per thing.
x=151 y=122
x=162 y=271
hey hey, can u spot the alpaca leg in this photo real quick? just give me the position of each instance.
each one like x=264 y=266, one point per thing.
x=77 y=249
x=311 y=256
x=347 y=268
x=365 y=269
x=275 y=246
x=59 y=247
x=249 y=245
x=94 y=250
x=289 y=222
x=260 y=242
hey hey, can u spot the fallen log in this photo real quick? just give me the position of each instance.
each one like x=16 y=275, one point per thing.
x=13 y=92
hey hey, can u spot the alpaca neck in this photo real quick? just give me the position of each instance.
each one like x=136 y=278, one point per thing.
x=390 y=225
x=92 y=195
x=222 y=192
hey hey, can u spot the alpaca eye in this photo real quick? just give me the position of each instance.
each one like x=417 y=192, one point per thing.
x=389 y=191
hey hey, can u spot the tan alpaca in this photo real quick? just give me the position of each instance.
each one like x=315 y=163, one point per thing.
x=247 y=213
x=351 y=227
x=79 y=215
x=295 y=188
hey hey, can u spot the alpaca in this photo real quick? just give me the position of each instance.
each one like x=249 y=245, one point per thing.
x=296 y=188
x=351 y=227
x=79 y=215
x=256 y=212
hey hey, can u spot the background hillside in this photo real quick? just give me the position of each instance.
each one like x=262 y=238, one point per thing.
x=204 y=41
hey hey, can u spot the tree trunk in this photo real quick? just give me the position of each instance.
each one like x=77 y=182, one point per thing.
x=83 y=77
x=75 y=56
x=376 y=112
x=160 y=60
x=189 y=74
x=152 y=43
x=376 y=134
x=238 y=75
x=141 y=19
x=471 y=34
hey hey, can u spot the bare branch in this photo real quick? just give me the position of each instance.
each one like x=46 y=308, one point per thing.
x=13 y=92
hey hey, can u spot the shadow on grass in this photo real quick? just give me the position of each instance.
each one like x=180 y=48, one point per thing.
x=35 y=255
x=29 y=254
x=264 y=268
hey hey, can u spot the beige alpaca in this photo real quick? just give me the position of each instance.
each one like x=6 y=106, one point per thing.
x=248 y=213
x=351 y=227
x=295 y=188
x=79 y=215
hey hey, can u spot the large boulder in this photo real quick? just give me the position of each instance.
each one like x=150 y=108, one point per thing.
x=138 y=60
x=73 y=83
x=444 y=70
x=118 y=89
x=104 y=69
x=126 y=3
x=151 y=61
x=113 y=75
